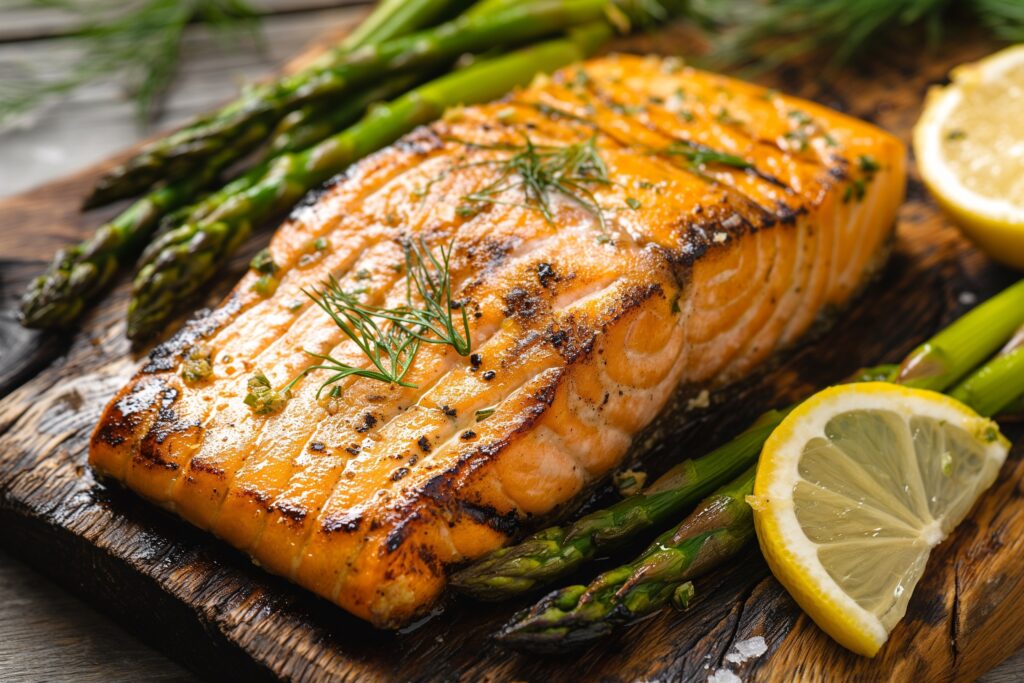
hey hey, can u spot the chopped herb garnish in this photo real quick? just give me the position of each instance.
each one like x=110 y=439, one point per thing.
x=626 y=109
x=991 y=433
x=868 y=165
x=539 y=171
x=198 y=364
x=320 y=243
x=725 y=117
x=796 y=140
x=686 y=115
x=633 y=203
x=262 y=397
x=699 y=155
x=266 y=285
x=390 y=337
x=956 y=134
x=485 y=413
x=262 y=262
x=857 y=188
x=801 y=118
x=855 y=191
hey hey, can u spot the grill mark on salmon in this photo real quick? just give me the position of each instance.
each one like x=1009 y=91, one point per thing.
x=587 y=338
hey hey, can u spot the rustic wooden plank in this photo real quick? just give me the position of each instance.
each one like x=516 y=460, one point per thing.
x=217 y=612
x=49 y=635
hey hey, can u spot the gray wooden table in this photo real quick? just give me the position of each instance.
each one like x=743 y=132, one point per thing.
x=46 y=634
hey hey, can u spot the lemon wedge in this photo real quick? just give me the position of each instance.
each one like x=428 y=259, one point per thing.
x=969 y=144
x=855 y=488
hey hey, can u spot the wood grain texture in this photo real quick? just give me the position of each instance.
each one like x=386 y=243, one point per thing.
x=61 y=640
x=212 y=609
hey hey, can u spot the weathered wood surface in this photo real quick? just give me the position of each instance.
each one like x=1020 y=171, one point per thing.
x=208 y=606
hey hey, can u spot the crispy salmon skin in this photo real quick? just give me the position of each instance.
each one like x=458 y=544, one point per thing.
x=709 y=223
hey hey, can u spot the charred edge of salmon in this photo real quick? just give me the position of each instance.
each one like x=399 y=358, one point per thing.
x=205 y=322
x=421 y=142
x=574 y=340
x=439 y=496
x=128 y=410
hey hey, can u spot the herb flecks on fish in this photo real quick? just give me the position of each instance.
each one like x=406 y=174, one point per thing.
x=867 y=167
x=198 y=364
x=262 y=397
x=263 y=263
x=391 y=337
x=699 y=155
x=540 y=172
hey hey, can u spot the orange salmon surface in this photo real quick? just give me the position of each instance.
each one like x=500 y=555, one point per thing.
x=623 y=232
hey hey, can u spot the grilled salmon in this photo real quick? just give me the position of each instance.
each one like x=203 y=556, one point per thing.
x=621 y=233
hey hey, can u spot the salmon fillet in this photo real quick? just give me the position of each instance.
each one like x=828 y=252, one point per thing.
x=732 y=219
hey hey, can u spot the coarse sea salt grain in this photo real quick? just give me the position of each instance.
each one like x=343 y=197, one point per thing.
x=741 y=652
x=747 y=649
x=724 y=676
x=967 y=298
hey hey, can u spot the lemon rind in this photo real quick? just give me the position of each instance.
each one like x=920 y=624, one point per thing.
x=797 y=565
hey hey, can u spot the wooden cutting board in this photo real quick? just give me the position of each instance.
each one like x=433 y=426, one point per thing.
x=208 y=606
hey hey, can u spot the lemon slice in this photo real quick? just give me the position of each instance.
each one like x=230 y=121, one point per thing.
x=969 y=144
x=855 y=488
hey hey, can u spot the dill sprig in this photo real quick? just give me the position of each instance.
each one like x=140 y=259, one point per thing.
x=390 y=346
x=431 y=316
x=540 y=171
x=138 y=40
x=763 y=35
x=391 y=337
x=700 y=155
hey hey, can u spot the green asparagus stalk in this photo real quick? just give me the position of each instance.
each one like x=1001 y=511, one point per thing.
x=997 y=384
x=187 y=257
x=555 y=552
x=182 y=152
x=390 y=19
x=78 y=274
x=306 y=127
x=952 y=353
x=717 y=529
x=558 y=551
x=81 y=272
x=394 y=18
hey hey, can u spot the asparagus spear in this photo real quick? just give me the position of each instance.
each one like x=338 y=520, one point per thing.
x=995 y=385
x=180 y=153
x=953 y=352
x=306 y=127
x=555 y=552
x=187 y=257
x=390 y=19
x=79 y=273
x=718 y=528
x=559 y=550
x=393 y=18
